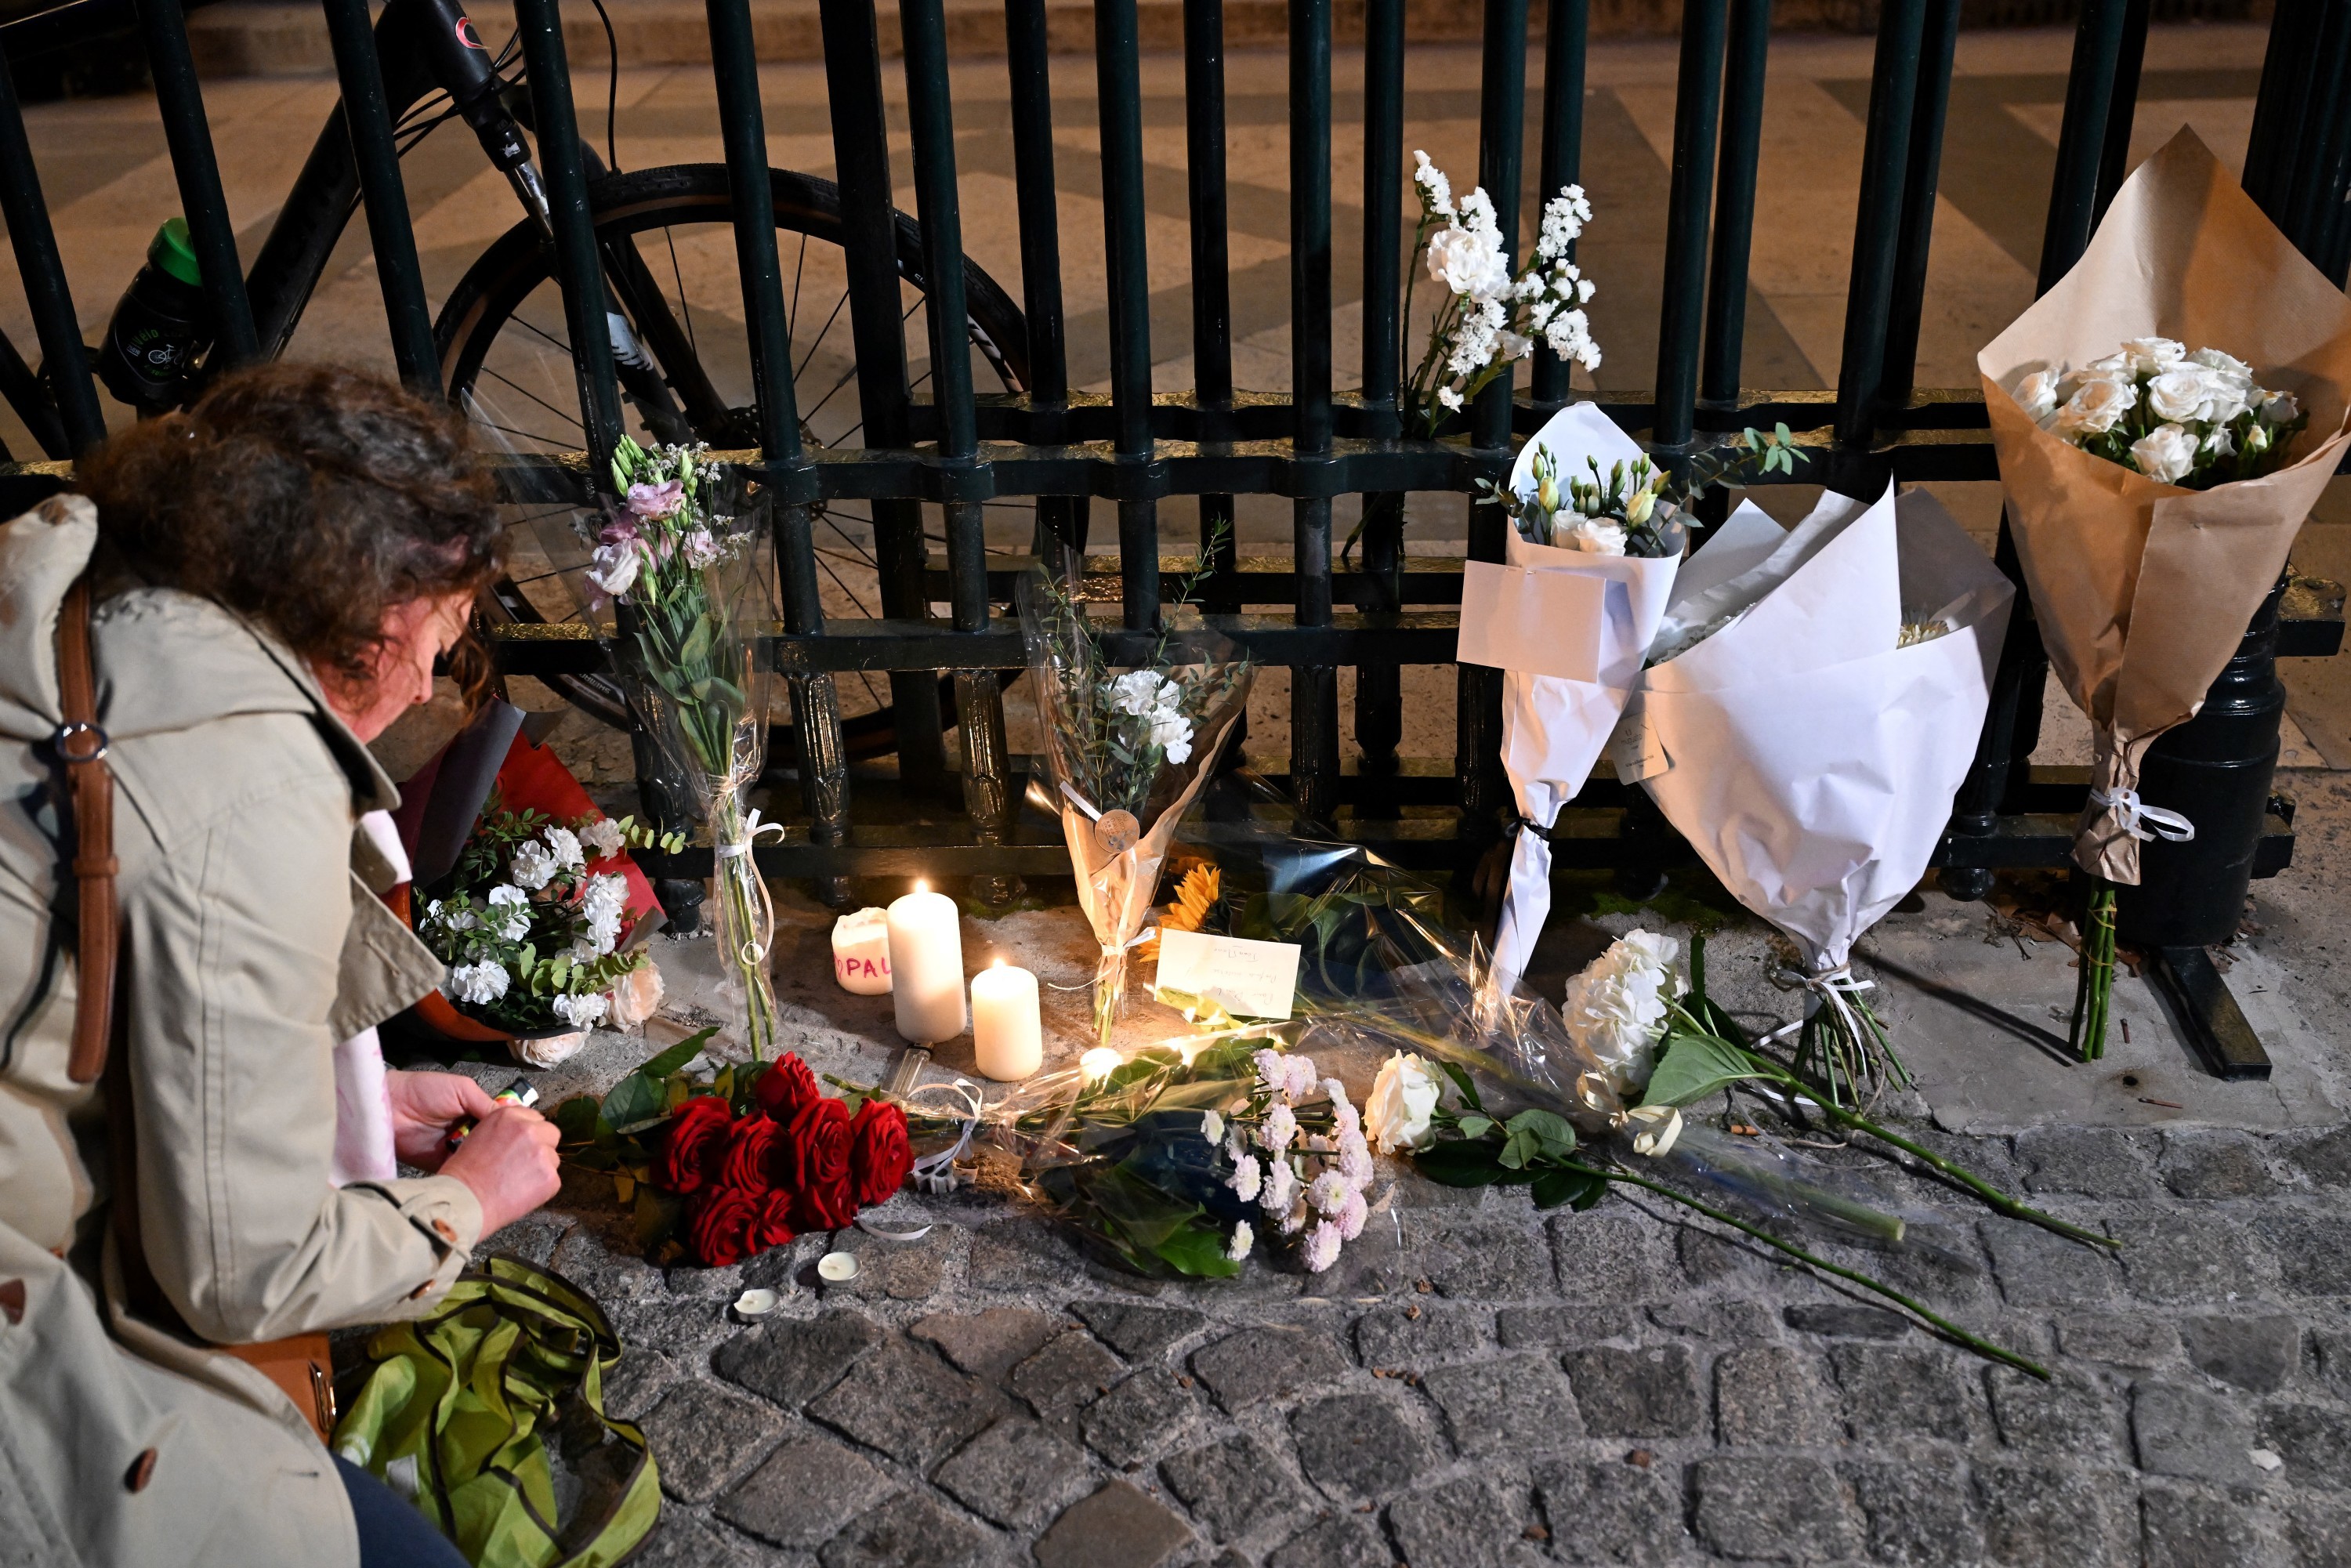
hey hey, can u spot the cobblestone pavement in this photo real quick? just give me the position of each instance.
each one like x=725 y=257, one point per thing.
x=1474 y=1383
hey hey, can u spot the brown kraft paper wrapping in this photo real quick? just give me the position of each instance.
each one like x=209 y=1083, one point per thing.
x=2143 y=589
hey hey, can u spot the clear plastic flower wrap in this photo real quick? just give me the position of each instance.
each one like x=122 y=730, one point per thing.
x=1170 y=1159
x=1128 y=749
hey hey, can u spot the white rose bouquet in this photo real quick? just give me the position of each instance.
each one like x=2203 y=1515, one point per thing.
x=2154 y=492
x=1128 y=751
x=536 y=937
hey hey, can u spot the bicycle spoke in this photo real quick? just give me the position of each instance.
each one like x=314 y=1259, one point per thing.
x=556 y=441
x=534 y=397
x=669 y=235
x=561 y=347
x=820 y=340
x=792 y=314
x=847 y=376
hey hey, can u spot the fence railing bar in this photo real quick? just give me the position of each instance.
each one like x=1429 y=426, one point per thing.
x=1698 y=105
x=1502 y=142
x=2317 y=181
x=2279 y=103
x=1212 y=306
x=1028 y=65
x=577 y=265
x=1734 y=200
x=1938 y=48
x=1878 y=225
x=180 y=103
x=2114 y=158
x=2082 y=138
x=1382 y=372
x=82 y=423
x=1314 y=697
x=1565 y=42
x=861 y=155
x=1118 y=80
x=367 y=117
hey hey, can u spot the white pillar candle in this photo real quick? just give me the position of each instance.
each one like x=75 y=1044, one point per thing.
x=1007 y=1032
x=926 y=967
x=860 y=952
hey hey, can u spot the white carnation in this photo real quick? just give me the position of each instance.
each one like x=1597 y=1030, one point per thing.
x=1138 y=692
x=564 y=844
x=604 y=837
x=477 y=985
x=1172 y=733
x=580 y=1011
x=510 y=912
x=534 y=865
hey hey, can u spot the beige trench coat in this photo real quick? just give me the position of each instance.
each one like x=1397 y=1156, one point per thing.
x=251 y=948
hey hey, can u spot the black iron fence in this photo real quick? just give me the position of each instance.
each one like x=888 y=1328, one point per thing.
x=962 y=449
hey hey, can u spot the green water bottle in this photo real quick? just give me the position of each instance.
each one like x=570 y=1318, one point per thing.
x=161 y=324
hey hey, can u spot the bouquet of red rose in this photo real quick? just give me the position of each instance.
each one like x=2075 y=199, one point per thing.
x=722 y=1168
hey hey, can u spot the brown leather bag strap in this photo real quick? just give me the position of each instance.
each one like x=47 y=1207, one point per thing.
x=81 y=746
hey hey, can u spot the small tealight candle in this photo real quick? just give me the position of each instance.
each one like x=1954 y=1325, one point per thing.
x=926 y=967
x=860 y=952
x=1007 y=1031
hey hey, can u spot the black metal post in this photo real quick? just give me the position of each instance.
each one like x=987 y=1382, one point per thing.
x=1060 y=519
x=1734 y=201
x=577 y=265
x=2082 y=139
x=1118 y=77
x=82 y=425
x=1379 y=687
x=1212 y=306
x=822 y=759
x=1568 y=22
x=1878 y=227
x=368 y=117
x=1937 y=46
x=1501 y=158
x=1314 y=692
x=1696 y=107
x=181 y=103
x=869 y=240
x=2114 y=158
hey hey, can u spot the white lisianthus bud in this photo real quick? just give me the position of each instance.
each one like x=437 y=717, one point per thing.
x=2166 y=453
x=1638 y=508
x=2094 y=408
x=1403 y=1100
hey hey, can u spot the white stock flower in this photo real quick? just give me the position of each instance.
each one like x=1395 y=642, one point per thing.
x=1247 y=1178
x=604 y=837
x=565 y=845
x=1564 y=217
x=1592 y=536
x=1172 y=733
x=546 y=1049
x=1243 y=1239
x=1403 y=1099
x=1449 y=398
x=580 y=1012
x=534 y=865
x=1280 y=1193
x=1432 y=180
x=478 y=984
x=1279 y=1128
x=2094 y=409
x=2037 y=395
x=2166 y=453
x=1322 y=1246
x=2150 y=356
x=1617 y=1008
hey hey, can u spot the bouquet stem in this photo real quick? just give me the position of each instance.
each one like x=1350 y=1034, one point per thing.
x=745 y=924
x=1110 y=993
x=2094 y=992
x=1943 y=1325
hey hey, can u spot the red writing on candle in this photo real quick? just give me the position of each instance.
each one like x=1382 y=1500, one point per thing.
x=875 y=968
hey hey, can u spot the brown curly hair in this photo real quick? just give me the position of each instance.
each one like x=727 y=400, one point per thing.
x=309 y=499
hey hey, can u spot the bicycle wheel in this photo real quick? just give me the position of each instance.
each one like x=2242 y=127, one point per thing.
x=667 y=238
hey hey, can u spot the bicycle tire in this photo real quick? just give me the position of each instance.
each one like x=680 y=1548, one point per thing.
x=644 y=200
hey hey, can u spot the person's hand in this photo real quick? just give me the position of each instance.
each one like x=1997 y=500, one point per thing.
x=427 y=1107
x=508 y=1159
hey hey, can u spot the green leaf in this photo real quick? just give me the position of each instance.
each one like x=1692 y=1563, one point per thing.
x=1462 y=1162
x=1476 y=1127
x=576 y=1119
x=1198 y=1249
x=1555 y=1188
x=1461 y=1081
x=1694 y=1067
x=678 y=1055
x=1551 y=1134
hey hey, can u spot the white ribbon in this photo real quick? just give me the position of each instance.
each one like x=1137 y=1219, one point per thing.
x=2131 y=811
x=1660 y=1125
x=1828 y=989
x=934 y=1172
x=752 y=829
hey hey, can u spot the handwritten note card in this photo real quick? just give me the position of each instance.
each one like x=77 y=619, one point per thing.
x=1248 y=979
